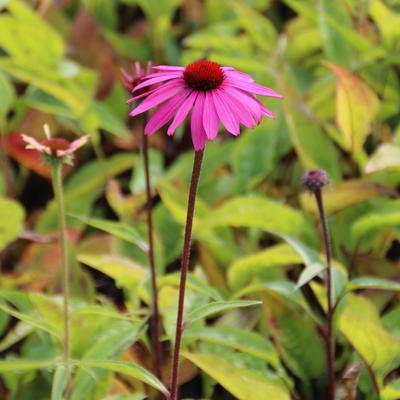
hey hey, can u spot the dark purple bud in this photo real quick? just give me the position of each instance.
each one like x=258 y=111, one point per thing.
x=314 y=180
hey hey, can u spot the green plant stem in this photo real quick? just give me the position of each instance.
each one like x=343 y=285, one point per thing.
x=156 y=323
x=198 y=158
x=330 y=340
x=56 y=170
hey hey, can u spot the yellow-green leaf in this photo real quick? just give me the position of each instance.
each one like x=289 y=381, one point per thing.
x=356 y=107
x=242 y=383
x=378 y=348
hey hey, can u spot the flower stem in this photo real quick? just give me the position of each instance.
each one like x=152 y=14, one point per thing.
x=329 y=339
x=198 y=158
x=156 y=325
x=56 y=170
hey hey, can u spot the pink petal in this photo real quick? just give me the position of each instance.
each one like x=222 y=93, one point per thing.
x=165 y=112
x=163 y=93
x=33 y=144
x=159 y=78
x=75 y=145
x=132 y=99
x=252 y=88
x=210 y=117
x=251 y=101
x=239 y=75
x=199 y=136
x=182 y=112
x=225 y=114
x=168 y=68
x=158 y=74
x=265 y=110
x=240 y=108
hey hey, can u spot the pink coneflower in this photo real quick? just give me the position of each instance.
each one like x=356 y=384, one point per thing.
x=214 y=94
x=132 y=79
x=54 y=146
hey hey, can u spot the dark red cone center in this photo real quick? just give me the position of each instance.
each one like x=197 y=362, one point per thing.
x=203 y=75
x=56 y=144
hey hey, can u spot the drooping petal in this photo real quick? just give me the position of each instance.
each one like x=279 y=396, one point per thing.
x=163 y=93
x=165 y=112
x=199 y=136
x=225 y=114
x=182 y=112
x=33 y=144
x=239 y=75
x=240 y=108
x=168 y=68
x=210 y=117
x=265 y=110
x=157 y=79
x=75 y=145
x=132 y=99
x=252 y=88
x=251 y=101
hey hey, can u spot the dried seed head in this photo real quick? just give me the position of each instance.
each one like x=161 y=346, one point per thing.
x=314 y=180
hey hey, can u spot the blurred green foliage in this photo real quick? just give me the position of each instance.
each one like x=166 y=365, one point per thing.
x=256 y=235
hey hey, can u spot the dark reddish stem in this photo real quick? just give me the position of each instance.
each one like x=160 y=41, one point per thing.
x=156 y=323
x=198 y=158
x=329 y=339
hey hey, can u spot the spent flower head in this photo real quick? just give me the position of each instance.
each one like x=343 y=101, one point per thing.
x=54 y=149
x=314 y=180
x=132 y=79
x=211 y=92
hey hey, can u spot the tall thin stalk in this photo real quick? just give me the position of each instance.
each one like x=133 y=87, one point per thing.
x=330 y=340
x=156 y=323
x=56 y=170
x=198 y=158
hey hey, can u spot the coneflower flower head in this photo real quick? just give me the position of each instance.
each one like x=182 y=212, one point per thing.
x=314 y=180
x=54 y=149
x=132 y=79
x=212 y=93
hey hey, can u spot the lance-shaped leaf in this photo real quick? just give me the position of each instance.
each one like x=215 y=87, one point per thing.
x=356 y=107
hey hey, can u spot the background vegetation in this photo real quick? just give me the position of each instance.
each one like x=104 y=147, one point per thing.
x=256 y=234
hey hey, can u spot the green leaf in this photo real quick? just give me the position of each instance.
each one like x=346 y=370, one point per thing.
x=245 y=341
x=256 y=212
x=379 y=349
x=25 y=365
x=308 y=139
x=156 y=170
x=217 y=307
x=344 y=194
x=117 y=229
x=124 y=271
x=31 y=320
x=259 y=28
x=242 y=383
x=253 y=157
x=12 y=217
x=7 y=97
x=385 y=217
x=371 y=282
x=113 y=340
x=19 y=332
x=193 y=282
x=243 y=269
x=388 y=22
x=294 y=334
x=391 y=391
x=127 y=368
x=335 y=44
x=60 y=381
